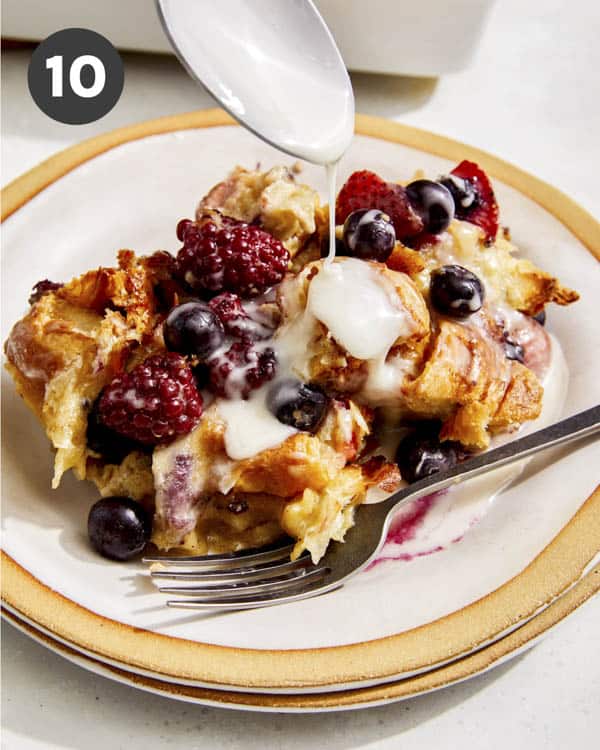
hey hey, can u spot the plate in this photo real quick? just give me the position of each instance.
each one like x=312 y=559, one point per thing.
x=520 y=640
x=128 y=189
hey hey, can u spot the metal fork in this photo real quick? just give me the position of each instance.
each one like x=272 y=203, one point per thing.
x=262 y=578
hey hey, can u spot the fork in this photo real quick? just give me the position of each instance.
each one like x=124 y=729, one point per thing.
x=265 y=577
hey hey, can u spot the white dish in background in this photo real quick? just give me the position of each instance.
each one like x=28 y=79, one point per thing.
x=395 y=620
x=427 y=38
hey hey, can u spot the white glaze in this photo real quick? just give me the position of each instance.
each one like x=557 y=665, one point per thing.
x=350 y=298
x=331 y=170
x=336 y=293
x=250 y=426
x=384 y=380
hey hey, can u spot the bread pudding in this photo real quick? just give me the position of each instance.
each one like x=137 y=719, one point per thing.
x=246 y=388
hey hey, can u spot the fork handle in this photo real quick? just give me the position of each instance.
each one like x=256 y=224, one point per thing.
x=568 y=430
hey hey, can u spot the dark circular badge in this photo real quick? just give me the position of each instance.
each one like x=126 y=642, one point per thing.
x=75 y=76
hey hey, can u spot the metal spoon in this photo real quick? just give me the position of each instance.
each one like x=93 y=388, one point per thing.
x=273 y=65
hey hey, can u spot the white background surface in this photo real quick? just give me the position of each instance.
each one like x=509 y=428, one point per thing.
x=531 y=96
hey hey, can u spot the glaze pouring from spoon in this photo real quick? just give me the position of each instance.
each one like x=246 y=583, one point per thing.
x=275 y=67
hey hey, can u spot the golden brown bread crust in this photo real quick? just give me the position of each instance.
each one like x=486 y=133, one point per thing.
x=60 y=357
x=469 y=385
x=509 y=279
x=73 y=341
x=301 y=463
x=285 y=208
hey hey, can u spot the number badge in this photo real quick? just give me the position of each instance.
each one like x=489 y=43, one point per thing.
x=75 y=76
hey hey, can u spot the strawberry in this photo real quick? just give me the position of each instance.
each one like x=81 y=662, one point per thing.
x=483 y=211
x=365 y=189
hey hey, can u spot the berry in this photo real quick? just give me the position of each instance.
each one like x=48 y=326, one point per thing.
x=222 y=254
x=512 y=349
x=455 y=291
x=541 y=317
x=421 y=454
x=166 y=289
x=118 y=527
x=480 y=209
x=340 y=247
x=297 y=404
x=41 y=288
x=369 y=234
x=112 y=446
x=241 y=369
x=155 y=402
x=201 y=376
x=193 y=328
x=434 y=204
x=236 y=321
x=367 y=190
x=464 y=194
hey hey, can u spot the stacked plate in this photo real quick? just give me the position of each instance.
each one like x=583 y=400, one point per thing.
x=428 y=616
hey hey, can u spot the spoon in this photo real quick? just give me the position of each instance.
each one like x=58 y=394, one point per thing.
x=273 y=65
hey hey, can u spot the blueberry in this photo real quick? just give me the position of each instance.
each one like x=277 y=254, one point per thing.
x=434 y=204
x=541 y=317
x=340 y=248
x=111 y=445
x=193 y=328
x=421 y=454
x=118 y=527
x=201 y=376
x=513 y=350
x=369 y=235
x=297 y=404
x=455 y=291
x=464 y=193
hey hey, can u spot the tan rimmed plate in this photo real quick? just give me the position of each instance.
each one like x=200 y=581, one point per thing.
x=511 y=645
x=129 y=188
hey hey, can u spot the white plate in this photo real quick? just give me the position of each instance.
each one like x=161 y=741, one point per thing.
x=519 y=641
x=402 y=617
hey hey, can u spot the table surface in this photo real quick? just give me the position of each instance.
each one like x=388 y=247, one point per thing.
x=531 y=96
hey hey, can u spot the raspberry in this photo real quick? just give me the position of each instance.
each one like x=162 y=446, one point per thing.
x=222 y=254
x=484 y=211
x=236 y=321
x=365 y=189
x=41 y=288
x=153 y=403
x=241 y=369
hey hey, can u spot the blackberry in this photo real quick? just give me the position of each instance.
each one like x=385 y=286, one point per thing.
x=222 y=254
x=241 y=369
x=155 y=402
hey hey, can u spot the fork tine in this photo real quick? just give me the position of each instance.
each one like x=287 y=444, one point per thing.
x=234 y=593
x=251 y=573
x=309 y=590
x=226 y=561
